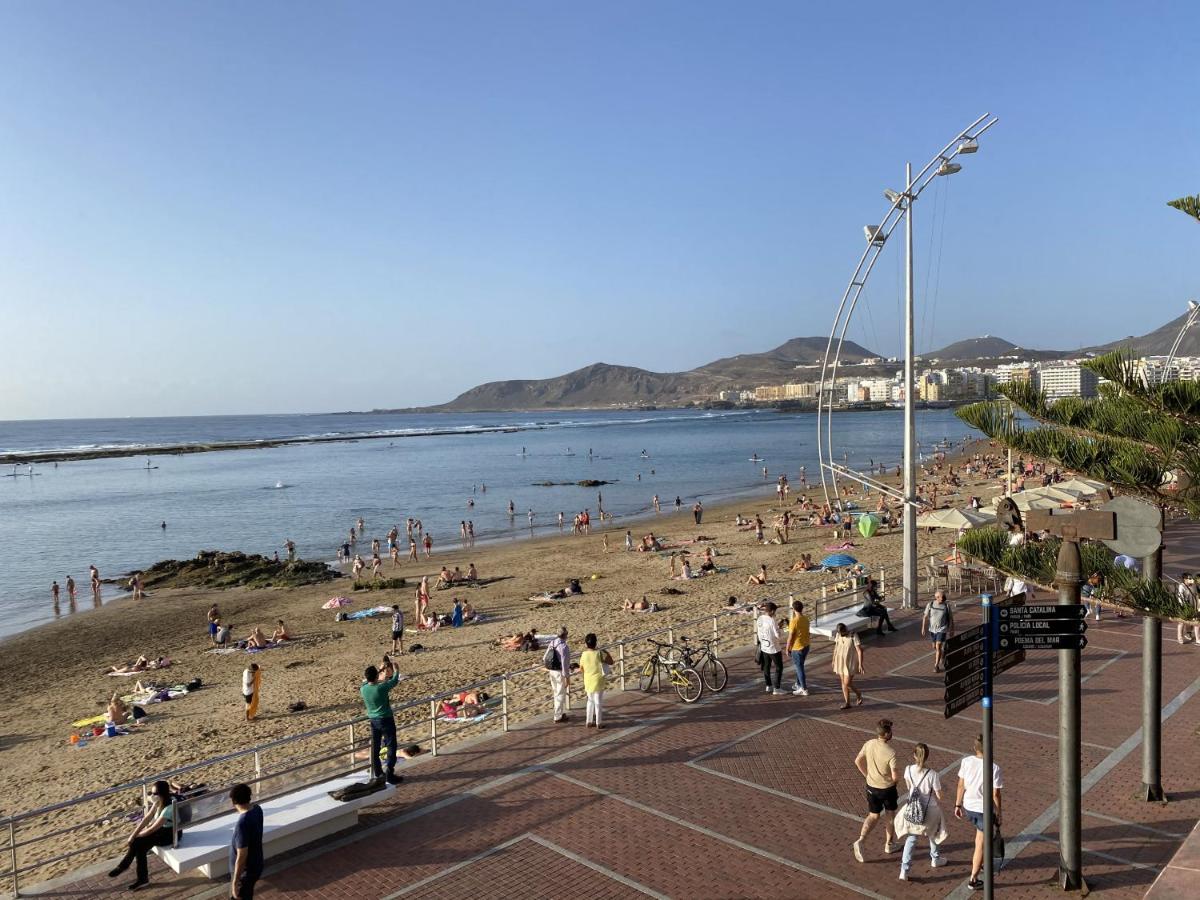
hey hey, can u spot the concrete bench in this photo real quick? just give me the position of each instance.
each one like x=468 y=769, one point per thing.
x=290 y=821
x=827 y=624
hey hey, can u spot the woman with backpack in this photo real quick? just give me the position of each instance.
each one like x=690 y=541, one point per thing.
x=920 y=815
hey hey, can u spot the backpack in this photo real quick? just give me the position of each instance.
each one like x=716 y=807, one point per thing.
x=550 y=659
x=918 y=803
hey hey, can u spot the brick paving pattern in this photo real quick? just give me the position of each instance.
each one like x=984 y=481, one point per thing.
x=747 y=795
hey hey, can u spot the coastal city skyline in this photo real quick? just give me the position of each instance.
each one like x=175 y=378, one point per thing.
x=282 y=209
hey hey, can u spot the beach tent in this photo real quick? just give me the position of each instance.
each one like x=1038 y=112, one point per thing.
x=958 y=519
x=867 y=525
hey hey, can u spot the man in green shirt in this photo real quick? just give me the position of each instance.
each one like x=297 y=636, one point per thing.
x=379 y=712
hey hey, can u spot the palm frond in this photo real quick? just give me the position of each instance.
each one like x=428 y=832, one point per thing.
x=1188 y=205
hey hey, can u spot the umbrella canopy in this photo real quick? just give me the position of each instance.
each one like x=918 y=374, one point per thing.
x=1027 y=500
x=838 y=560
x=1057 y=492
x=957 y=519
x=1083 y=485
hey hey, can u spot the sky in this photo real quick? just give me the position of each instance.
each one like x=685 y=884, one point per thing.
x=278 y=207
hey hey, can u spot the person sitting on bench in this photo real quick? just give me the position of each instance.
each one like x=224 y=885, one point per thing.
x=873 y=607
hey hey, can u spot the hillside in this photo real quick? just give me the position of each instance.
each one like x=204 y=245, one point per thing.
x=602 y=384
x=990 y=350
x=1158 y=342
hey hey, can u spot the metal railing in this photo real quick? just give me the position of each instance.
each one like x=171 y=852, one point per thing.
x=343 y=748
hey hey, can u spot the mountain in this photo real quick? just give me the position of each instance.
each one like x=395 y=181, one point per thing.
x=759 y=368
x=989 y=350
x=599 y=384
x=1158 y=342
x=602 y=384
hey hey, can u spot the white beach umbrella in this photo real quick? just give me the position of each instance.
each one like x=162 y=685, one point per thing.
x=1084 y=485
x=958 y=519
x=1027 y=500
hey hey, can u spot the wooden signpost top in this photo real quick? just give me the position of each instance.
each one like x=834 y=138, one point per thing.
x=1097 y=524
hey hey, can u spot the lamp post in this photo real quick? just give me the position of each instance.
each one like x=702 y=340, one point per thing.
x=965 y=142
x=1193 y=314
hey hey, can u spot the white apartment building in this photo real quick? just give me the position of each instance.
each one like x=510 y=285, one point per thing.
x=1068 y=381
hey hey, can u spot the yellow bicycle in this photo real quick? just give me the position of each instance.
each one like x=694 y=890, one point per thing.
x=662 y=665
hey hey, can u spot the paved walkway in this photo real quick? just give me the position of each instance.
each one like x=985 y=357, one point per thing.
x=745 y=795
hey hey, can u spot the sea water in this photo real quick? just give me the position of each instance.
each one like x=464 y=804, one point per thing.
x=110 y=511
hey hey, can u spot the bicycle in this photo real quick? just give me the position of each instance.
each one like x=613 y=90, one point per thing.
x=686 y=680
x=712 y=671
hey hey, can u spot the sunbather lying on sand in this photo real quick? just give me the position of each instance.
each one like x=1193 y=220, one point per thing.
x=141 y=664
x=760 y=578
x=640 y=605
x=519 y=641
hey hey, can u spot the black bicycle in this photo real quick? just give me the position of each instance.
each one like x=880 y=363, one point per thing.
x=705 y=661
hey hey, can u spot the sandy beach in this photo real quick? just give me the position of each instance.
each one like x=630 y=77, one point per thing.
x=53 y=676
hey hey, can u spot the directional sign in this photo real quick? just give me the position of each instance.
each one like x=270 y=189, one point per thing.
x=963 y=701
x=1042 y=626
x=1060 y=611
x=1044 y=642
x=1001 y=663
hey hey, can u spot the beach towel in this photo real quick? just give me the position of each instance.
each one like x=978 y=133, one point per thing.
x=371 y=613
x=222 y=650
x=94 y=720
x=335 y=602
x=465 y=720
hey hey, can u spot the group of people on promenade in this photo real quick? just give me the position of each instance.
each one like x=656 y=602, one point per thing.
x=920 y=814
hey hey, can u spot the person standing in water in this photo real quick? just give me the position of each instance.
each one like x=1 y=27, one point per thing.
x=71 y=589
x=95 y=577
x=54 y=591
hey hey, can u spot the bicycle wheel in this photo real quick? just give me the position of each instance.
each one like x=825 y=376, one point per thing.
x=646 y=676
x=688 y=684
x=715 y=675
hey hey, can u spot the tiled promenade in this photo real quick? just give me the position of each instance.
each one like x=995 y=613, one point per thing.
x=747 y=795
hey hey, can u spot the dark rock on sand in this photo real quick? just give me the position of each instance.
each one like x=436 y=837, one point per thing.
x=216 y=569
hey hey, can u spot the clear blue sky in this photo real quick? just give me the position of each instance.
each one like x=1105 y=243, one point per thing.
x=268 y=207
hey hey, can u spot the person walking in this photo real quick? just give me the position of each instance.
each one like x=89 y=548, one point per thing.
x=798 y=641
x=938 y=623
x=848 y=662
x=876 y=762
x=1186 y=594
x=246 y=848
x=397 y=629
x=968 y=804
x=251 y=688
x=921 y=812
x=557 y=661
x=770 y=646
x=156 y=829
x=374 y=693
x=592 y=663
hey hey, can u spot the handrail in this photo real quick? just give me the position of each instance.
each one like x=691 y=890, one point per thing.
x=427 y=718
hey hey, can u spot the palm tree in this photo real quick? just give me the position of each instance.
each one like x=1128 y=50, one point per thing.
x=1189 y=205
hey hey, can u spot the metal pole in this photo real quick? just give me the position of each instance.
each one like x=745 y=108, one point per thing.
x=352 y=747
x=621 y=662
x=504 y=700
x=1152 y=691
x=910 y=435
x=433 y=711
x=989 y=866
x=12 y=849
x=1070 y=872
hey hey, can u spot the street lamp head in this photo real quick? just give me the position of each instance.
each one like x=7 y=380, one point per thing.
x=891 y=195
x=1193 y=305
x=874 y=235
x=949 y=168
x=970 y=145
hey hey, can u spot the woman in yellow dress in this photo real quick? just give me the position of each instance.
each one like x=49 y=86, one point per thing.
x=592 y=663
x=848 y=662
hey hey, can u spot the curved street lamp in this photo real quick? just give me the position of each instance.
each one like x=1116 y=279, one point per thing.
x=943 y=163
x=1193 y=314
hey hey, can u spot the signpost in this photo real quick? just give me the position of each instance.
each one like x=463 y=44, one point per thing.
x=972 y=659
x=1071 y=527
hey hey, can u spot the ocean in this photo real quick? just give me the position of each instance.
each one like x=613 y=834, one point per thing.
x=110 y=511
